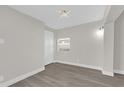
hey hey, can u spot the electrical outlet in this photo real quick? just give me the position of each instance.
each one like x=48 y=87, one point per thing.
x=1 y=78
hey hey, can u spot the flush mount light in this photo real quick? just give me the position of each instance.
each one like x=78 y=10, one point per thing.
x=64 y=13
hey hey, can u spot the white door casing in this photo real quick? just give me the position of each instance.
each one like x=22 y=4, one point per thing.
x=49 y=47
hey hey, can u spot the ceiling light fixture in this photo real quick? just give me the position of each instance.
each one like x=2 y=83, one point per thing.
x=64 y=13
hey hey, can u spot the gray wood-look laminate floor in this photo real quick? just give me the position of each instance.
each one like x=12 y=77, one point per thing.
x=62 y=75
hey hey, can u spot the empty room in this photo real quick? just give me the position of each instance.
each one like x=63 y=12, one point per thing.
x=62 y=46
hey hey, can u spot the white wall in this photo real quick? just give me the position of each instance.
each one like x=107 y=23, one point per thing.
x=22 y=51
x=119 y=44
x=108 y=48
x=86 y=46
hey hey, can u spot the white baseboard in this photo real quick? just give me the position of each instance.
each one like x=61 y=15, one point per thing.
x=19 y=78
x=108 y=73
x=119 y=71
x=91 y=67
x=80 y=65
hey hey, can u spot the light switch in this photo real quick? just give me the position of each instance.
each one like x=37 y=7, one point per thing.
x=1 y=78
x=2 y=41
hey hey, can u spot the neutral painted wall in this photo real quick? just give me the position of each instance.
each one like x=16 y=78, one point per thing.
x=119 y=44
x=108 y=48
x=86 y=46
x=22 y=51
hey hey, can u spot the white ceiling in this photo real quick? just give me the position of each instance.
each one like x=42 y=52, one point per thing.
x=49 y=14
x=114 y=12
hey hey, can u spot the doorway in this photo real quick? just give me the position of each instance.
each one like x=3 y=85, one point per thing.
x=49 y=47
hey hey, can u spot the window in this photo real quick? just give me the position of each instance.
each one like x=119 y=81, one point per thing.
x=63 y=44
